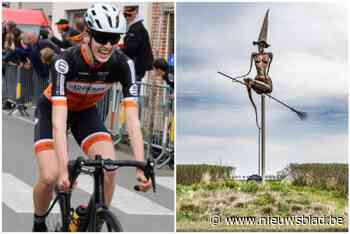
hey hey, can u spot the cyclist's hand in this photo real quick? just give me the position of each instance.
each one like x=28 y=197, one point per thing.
x=63 y=182
x=144 y=184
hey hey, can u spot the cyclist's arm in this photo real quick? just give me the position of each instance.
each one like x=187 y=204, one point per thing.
x=60 y=68
x=134 y=129
x=130 y=93
x=59 y=126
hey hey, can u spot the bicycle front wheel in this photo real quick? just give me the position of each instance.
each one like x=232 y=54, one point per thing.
x=109 y=222
x=54 y=222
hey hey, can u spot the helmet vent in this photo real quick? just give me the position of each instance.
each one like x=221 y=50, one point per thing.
x=117 y=21
x=114 y=9
x=98 y=23
x=110 y=21
x=93 y=12
x=104 y=8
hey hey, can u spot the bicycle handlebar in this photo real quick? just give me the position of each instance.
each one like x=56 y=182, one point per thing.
x=75 y=167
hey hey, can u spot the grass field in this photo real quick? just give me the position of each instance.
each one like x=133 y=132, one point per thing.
x=197 y=203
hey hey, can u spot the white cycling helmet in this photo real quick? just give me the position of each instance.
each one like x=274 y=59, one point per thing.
x=105 y=18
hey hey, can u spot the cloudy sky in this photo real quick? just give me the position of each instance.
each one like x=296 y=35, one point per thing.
x=215 y=120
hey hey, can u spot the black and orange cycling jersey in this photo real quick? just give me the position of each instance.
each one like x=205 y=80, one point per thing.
x=79 y=85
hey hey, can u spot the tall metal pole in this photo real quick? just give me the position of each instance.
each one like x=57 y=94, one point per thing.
x=263 y=138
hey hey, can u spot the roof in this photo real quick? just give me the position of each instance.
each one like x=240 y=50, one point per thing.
x=25 y=16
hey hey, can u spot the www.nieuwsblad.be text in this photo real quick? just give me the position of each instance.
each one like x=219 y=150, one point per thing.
x=275 y=220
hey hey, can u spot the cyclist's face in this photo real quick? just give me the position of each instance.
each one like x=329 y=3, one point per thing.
x=102 y=52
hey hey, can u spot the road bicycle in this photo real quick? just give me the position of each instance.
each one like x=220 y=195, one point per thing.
x=96 y=217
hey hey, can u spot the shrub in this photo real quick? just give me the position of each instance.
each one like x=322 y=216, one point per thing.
x=188 y=207
x=213 y=186
x=283 y=208
x=267 y=210
x=190 y=174
x=296 y=208
x=249 y=187
x=332 y=176
x=240 y=205
x=278 y=187
x=265 y=199
x=231 y=184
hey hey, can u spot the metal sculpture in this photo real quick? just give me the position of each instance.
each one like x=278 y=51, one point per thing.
x=262 y=85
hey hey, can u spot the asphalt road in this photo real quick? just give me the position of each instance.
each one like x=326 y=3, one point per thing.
x=146 y=212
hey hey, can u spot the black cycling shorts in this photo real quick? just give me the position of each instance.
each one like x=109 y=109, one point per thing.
x=86 y=126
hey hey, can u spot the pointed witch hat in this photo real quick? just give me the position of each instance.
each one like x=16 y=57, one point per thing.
x=262 y=40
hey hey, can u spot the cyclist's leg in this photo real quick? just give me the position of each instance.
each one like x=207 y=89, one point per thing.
x=48 y=174
x=93 y=137
x=46 y=160
x=106 y=150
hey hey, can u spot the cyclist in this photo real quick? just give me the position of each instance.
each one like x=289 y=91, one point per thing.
x=81 y=76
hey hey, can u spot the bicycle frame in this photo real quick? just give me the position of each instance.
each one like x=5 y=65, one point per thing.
x=65 y=206
x=97 y=199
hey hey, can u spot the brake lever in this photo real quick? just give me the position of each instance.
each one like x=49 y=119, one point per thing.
x=149 y=174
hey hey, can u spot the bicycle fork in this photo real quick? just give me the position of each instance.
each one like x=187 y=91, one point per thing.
x=98 y=198
x=65 y=205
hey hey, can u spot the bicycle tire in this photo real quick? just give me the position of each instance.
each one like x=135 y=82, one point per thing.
x=110 y=221
x=54 y=222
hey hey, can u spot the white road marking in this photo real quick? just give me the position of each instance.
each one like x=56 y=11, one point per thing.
x=20 y=117
x=127 y=201
x=166 y=181
x=18 y=195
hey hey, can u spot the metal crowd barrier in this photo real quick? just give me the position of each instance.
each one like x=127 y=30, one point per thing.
x=156 y=116
x=39 y=85
x=32 y=85
x=25 y=78
x=9 y=82
x=117 y=120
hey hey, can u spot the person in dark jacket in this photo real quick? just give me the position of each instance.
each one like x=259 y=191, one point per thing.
x=32 y=49
x=137 y=44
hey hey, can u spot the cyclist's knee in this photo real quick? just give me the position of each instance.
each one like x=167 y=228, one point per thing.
x=48 y=178
x=103 y=148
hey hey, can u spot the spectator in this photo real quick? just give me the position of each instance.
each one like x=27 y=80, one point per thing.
x=10 y=54
x=163 y=69
x=69 y=35
x=43 y=34
x=11 y=40
x=11 y=28
x=80 y=25
x=136 y=42
x=32 y=49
